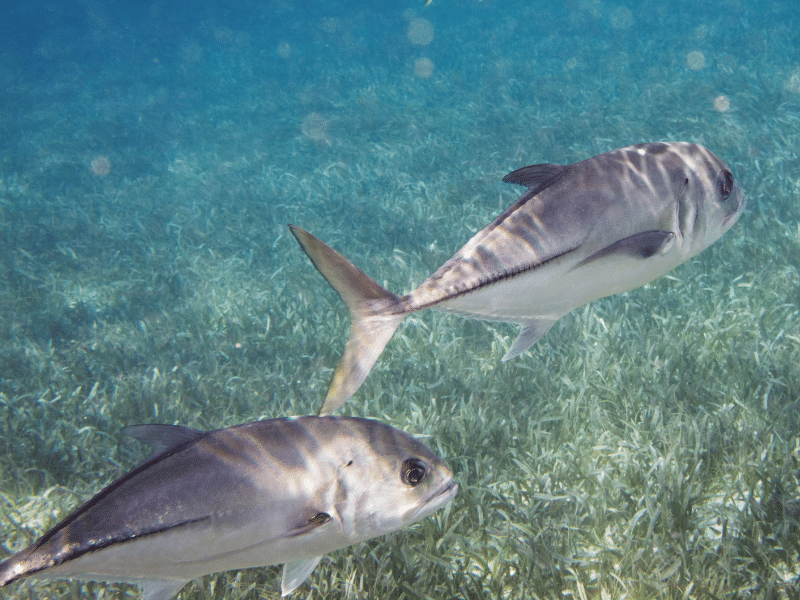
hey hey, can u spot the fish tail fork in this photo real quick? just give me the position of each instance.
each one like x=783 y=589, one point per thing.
x=372 y=326
x=368 y=337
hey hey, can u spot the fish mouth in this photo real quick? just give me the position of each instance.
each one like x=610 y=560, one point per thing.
x=742 y=203
x=441 y=496
x=432 y=503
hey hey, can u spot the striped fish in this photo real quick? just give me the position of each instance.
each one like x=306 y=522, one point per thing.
x=270 y=492
x=580 y=232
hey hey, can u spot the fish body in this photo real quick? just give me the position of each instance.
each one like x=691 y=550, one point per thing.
x=580 y=232
x=262 y=493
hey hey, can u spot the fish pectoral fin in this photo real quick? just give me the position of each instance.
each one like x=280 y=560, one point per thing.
x=641 y=245
x=160 y=589
x=296 y=572
x=532 y=331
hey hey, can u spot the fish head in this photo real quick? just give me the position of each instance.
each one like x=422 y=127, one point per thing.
x=389 y=482
x=710 y=199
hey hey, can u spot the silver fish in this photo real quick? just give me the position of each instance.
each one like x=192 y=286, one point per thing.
x=580 y=232
x=263 y=493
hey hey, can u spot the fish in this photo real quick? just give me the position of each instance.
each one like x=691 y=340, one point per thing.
x=579 y=232
x=285 y=490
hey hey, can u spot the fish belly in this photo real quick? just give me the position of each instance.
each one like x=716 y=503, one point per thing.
x=550 y=294
x=178 y=556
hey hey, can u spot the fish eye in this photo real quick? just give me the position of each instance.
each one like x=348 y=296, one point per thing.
x=413 y=472
x=725 y=185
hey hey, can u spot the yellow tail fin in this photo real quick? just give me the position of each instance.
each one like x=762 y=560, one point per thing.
x=374 y=313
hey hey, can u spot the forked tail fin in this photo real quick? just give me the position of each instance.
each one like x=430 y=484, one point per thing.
x=372 y=325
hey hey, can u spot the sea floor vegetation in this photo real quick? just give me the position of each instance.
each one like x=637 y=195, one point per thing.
x=648 y=447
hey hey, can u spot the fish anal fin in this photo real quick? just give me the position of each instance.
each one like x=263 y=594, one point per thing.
x=532 y=332
x=536 y=177
x=296 y=572
x=160 y=589
x=641 y=245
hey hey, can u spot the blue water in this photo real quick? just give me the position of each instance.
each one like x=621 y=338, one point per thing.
x=115 y=114
x=141 y=82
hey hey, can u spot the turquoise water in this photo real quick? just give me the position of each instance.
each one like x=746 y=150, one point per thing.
x=152 y=154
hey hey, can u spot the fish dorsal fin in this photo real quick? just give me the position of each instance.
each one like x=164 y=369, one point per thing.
x=536 y=177
x=296 y=572
x=162 y=438
x=159 y=589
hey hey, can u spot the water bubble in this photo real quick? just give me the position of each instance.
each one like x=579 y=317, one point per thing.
x=423 y=68
x=330 y=25
x=315 y=127
x=695 y=60
x=621 y=18
x=284 y=50
x=223 y=35
x=420 y=31
x=101 y=166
